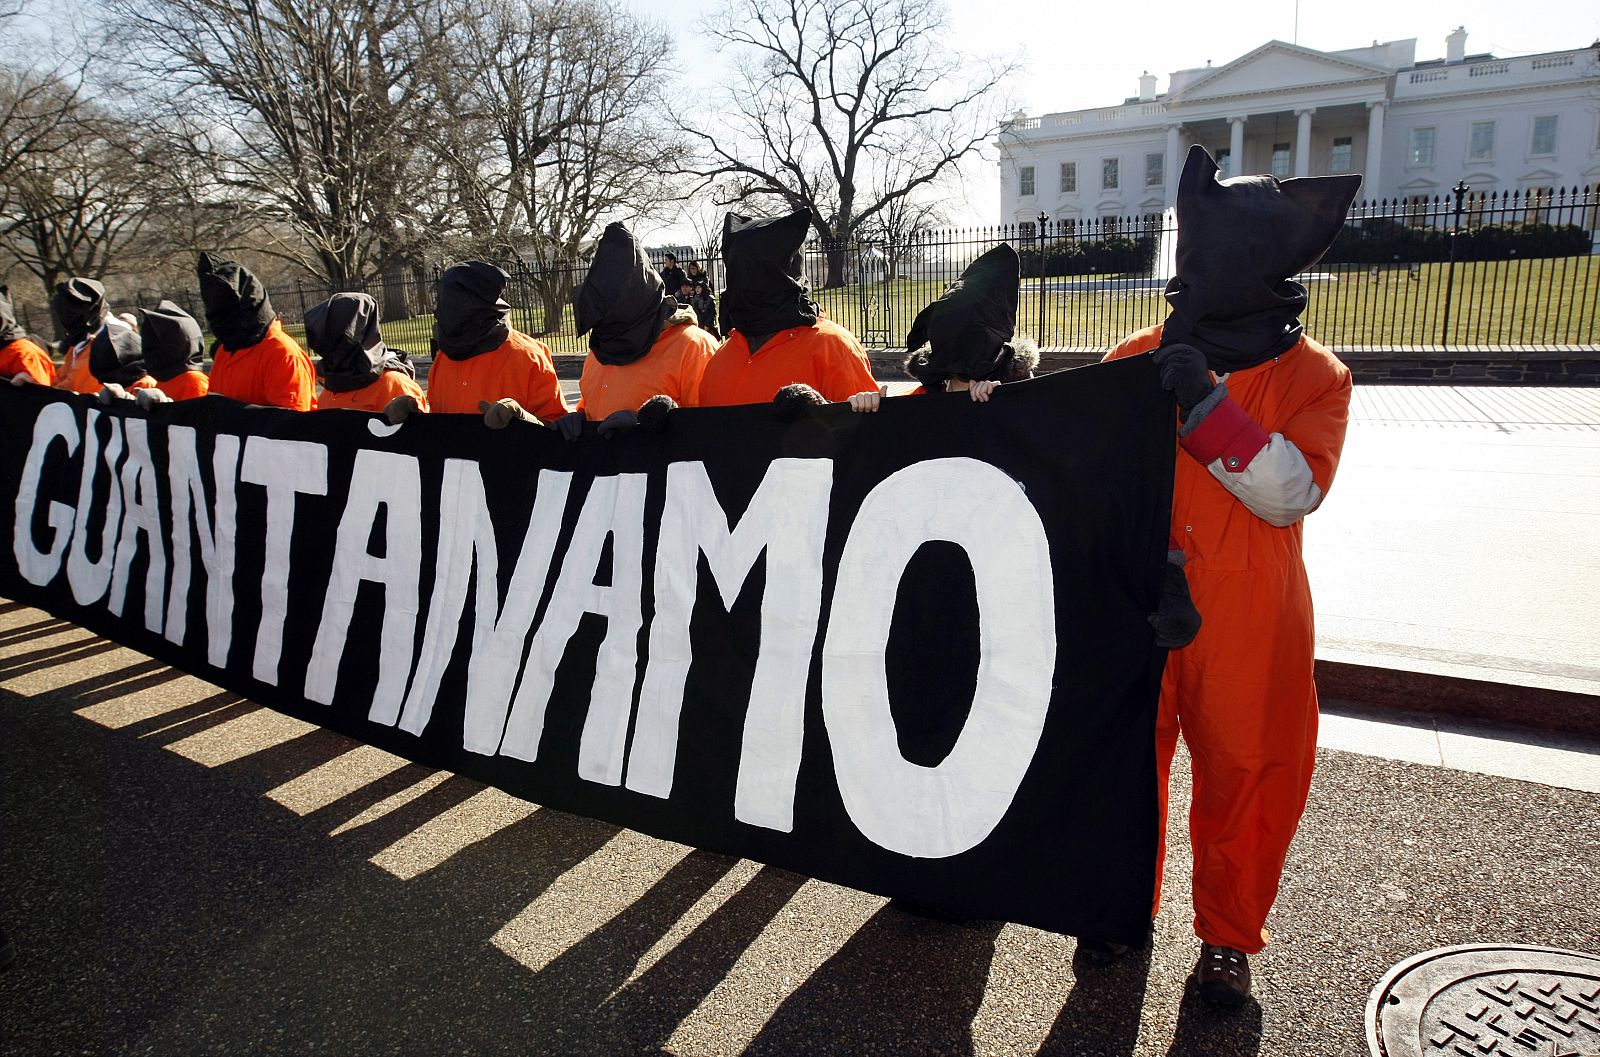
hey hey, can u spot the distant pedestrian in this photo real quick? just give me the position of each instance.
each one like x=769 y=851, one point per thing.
x=672 y=275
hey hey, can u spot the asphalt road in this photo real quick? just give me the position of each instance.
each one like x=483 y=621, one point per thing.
x=185 y=873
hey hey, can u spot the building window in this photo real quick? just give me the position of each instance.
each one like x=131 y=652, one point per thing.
x=1108 y=226
x=1025 y=184
x=1110 y=174
x=1155 y=170
x=1480 y=147
x=1069 y=177
x=1280 y=160
x=1416 y=210
x=1067 y=226
x=1544 y=135
x=1026 y=230
x=1225 y=162
x=1340 y=162
x=1421 y=147
x=1536 y=203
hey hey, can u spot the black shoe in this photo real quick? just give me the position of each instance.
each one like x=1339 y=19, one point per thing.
x=1222 y=976
x=1102 y=952
x=8 y=951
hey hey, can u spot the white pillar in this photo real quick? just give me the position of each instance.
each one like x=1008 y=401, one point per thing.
x=1236 y=147
x=1374 y=169
x=1174 y=161
x=1302 y=142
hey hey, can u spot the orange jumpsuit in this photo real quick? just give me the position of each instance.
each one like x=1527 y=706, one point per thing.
x=186 y=386
x=74 y=376
x=376 y=396
x=825 y=356
x=274 y=372
x=23 y=356
x=673 y=366
x=520 y=368
x=1243 y=693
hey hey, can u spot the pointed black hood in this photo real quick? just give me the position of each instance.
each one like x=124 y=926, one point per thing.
x=343 y=331
x=620 y=304
x=1240 y=243
x=10 y=329
x=968 y=330
x=80 y=307
x=470 y=317
x=237 y=307
x=767 y=290
x=116 y=355
x=173 y=341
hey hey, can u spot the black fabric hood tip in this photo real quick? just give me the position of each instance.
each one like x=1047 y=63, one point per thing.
x=968 y=330
x=767 y=290
x=344 y=332
x=470 y=316
x=80 y=307
x=116 y=355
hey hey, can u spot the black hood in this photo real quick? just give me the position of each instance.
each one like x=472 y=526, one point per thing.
x=766 y=284
x=343 y=331
x=10 y=329
x=968 y=330
x=620 y=304
x=80 y=307
x=237 y=307
x=116 y=354
x=1240 y=243
x=173 y=341
x=470 y=318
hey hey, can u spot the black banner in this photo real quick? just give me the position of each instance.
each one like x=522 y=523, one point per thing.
x=904 y=651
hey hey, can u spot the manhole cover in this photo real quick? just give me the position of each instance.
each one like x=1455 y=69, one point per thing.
x=1488 y=1001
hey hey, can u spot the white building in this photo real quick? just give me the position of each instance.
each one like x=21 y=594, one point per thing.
x=1413 y=129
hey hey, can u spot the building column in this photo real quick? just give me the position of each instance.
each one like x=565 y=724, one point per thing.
x=1302 y=142
x=1374 y=167
x=1174 y=162
x=1236 y=147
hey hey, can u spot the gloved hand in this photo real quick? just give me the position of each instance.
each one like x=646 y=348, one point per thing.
x=653 y=413
x=112 y=392
x=618 y=422
x=570 y=425
x=792 y=401
x=148 y=398
x=399 y=409
x=503 y=412
x=23 y=378
x=1184 y=374
x=1176 y=620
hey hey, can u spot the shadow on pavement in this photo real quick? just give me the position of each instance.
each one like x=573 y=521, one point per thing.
x=1102 y=1011
x=1204 y=1031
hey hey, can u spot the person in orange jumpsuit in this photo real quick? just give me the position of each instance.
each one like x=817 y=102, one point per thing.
x=255 y=360
x=1263 y=410
x=779 y=347
x=174 y=354
x=644 y=347
x=358 y=371
x=80 y=307
x=23 y=361
x=480 y=361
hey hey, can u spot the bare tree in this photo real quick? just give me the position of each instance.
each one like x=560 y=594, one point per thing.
x=555 y=133
x=310 y=115
x=831 y=95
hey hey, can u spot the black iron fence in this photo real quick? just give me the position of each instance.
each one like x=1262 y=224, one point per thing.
x=1456 y=271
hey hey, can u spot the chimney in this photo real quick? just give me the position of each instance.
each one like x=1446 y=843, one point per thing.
x=1147 y=87
x=1455 y=45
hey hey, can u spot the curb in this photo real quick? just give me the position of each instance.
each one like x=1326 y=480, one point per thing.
x=1443 y=696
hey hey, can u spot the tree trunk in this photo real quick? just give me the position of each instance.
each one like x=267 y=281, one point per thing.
x=834 y=253
x=396 y=294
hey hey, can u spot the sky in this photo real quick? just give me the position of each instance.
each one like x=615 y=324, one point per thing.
x=1078 y=55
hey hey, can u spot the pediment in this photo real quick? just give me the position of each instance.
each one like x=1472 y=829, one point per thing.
x=1541 y=177
x=1274 y=68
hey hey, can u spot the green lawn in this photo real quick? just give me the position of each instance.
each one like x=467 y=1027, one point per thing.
x=1521 y=302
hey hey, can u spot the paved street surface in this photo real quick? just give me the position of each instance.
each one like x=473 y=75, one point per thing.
x=186 y=873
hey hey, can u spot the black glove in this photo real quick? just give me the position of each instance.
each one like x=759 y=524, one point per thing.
x=792 y=401
x=570 y=425
x=618 y=422
x=653 y=413
x=1184 y=374
x=1176 y=620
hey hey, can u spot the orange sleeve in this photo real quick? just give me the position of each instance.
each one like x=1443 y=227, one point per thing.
x=25 y=357
x=697 y=352
x=541 y=393
x=405 y=385
x=848 y=371
x=1318 y=430
x=186 y=386
x=300 y=391
x=145 y=382
x=1139 y=341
